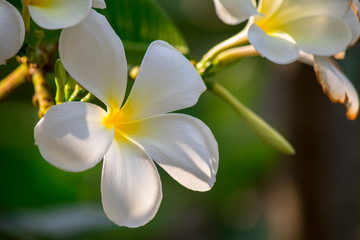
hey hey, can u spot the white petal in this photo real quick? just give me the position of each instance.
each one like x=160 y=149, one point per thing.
x=184 y=146
x=356 y=5
x=98 y=4
x=166 y=82
x=275 y=49
x=306 y=58
x=130 y=185
x=352 y=20
x=57 y=14
x=290 y=10
x=12 y=31
x=71 y=136
x=94 y=56
x=320 y=35
x=267 y=7
x=234 y=11
x=336 y=85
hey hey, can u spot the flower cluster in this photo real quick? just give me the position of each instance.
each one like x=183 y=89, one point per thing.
x=76 y=136
x=131 y=136
x=284 y=31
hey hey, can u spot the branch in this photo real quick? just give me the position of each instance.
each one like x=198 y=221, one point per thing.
x=42 y=97
x=13 y=80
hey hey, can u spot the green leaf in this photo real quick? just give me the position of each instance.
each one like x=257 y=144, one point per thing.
x=60 y=81
x=258 y=125
x=140 y=22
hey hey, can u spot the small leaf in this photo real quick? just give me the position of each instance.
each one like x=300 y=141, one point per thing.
x=258 y=125
x=60 y=80
x=78 y=93
x=140 y=22
x=69 y=88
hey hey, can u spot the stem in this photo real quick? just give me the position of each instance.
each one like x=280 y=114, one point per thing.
x=25 y=15
x=88 y=98
x=236 y=40
x=233 y=54
x=261 y=128
x=42 y=96
x=77 y=94
x=13 y=80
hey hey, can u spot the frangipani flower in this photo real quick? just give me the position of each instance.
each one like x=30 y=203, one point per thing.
x=330 y=76
x=283 y=28
x=310 y=31
x=12 y=31
x=352 y=20
x=57 y=14
x=75 y=136
x=334 y=83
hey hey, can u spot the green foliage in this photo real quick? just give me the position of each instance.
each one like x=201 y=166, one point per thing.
x=260 y=127
x=60 y=80
x=140 y=22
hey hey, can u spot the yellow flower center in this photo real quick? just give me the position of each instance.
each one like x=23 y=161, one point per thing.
x=114 y=119
x=271 y=24
x=38 y=3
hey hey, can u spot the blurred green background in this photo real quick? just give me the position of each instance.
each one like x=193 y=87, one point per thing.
x=259 y=193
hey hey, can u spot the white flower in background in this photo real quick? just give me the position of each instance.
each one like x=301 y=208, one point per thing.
x=12 y=31
x=352 y=20
x=330 y=76
x=334 y=83
x=234 y=11
x=75 y=136
x=310 y=31
x=49 y=14
x=283 y=28
x=57 y=14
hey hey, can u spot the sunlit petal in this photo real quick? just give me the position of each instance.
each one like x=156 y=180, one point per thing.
x=166 y=82
x=94 y=56
x=56 y=14
x=234 y=11
x=71 y=136
x=275 y=49
x=98 y=4
x=320 y=35
x=355 y=5
x=12 y=31
x=269 y=7
x=352 y=20
x=336 y=85
x=130 y=185
x=184 y=146
x=290 y=10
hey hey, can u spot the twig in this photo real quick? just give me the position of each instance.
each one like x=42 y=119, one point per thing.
x=42 y=97
x=13 y=80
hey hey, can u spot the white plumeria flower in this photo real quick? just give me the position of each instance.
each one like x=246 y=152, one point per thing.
x=283 y=28
x=330 y=76
x=287 y=30
x=234 y=12
x=352 y=20
x=57 y=14
x=334 y=83
x=75 y=136
x=12 y=31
